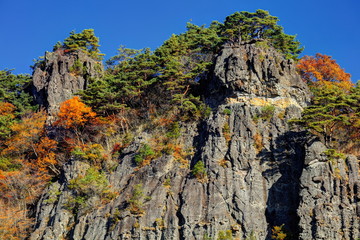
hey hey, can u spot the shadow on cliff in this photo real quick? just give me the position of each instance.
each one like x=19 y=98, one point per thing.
x=286 y=159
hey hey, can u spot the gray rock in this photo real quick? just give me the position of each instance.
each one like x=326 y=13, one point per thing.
x=260 y=173
x=57 y=79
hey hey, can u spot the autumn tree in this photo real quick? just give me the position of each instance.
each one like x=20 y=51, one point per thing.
x=74 y=114
x=321 y=70
x=25 y=134
x=14 y=222
x=334 y=112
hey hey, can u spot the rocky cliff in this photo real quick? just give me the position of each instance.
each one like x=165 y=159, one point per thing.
x=61 y=75
x=260 y=172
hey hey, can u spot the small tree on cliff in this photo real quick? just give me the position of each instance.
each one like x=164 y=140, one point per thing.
x=85 y=41
x=334 y=112
x=259 y=25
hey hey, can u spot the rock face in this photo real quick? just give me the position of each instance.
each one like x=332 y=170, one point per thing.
x=260 y=173
x=60 y=76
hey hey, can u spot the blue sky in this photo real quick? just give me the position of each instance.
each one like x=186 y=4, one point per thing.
x=29 y=28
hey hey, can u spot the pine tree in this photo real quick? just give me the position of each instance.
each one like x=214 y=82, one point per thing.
x=85 y=41
x=328 y=114
x=245 y=26
x=14 y=90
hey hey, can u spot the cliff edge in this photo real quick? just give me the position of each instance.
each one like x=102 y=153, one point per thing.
x=258 y=171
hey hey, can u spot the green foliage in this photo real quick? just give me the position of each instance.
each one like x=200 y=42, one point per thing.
x=136 y=200
x=174 y=131
x=227 y=111
x=14 y=89
x=227 y=132
x=145 y=154
x=124 y=84
x=266 y=113
x=93 y=183
x=333 y=155
x=77 y=68
x=167 y=79
x=167 y=182
x=245 y=26
x=329 y=111
x=104 y=96
x=251 y=236
x=199 y=170
x=225 y=235
x=85 y=41
x=9 y=164
x=92 y=153
x=53 y=196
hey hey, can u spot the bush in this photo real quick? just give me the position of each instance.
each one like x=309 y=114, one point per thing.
x=226 y=132
x=278 y=233
x=93 y=183
x=225 y=235
x=227 y=111
x=333 y=155
x=77 y=68
x=8 y=164
x=136 y=201
x=174 y=131
x=94 y=153
x=267 y=112
x=199 y=170
x=144 y=155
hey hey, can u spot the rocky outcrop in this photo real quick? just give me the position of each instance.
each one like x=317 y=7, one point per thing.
x=61 y=75
x=329 y=197
x=245 y=72
x=260 y=172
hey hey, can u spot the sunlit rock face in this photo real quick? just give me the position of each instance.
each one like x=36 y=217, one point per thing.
x=61 y=75
x=260 y=173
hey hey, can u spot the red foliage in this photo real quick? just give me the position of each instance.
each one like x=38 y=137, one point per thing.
x=322 y=70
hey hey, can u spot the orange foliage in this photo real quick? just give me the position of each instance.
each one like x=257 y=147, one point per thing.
x=74 y=113
x=321 y=70
x=21 y=187
x=26 y=133
x=46 y=158
x=14 y=222
x=7 y=109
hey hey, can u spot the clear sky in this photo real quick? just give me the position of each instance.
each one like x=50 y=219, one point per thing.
x=31 y=27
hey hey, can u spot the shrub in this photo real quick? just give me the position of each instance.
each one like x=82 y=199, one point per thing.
x=144 y=155
x=93 y=183
x=174 y=131
x=225 y=235
x=258 y=142
x=94 y=153
x=266 y=112
x=9 y=164
x=77 y=68
x=278 y=232
x=227 y=111
x=226 y=132
x=333 y=155
x=136 y=201
x=199 y=170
